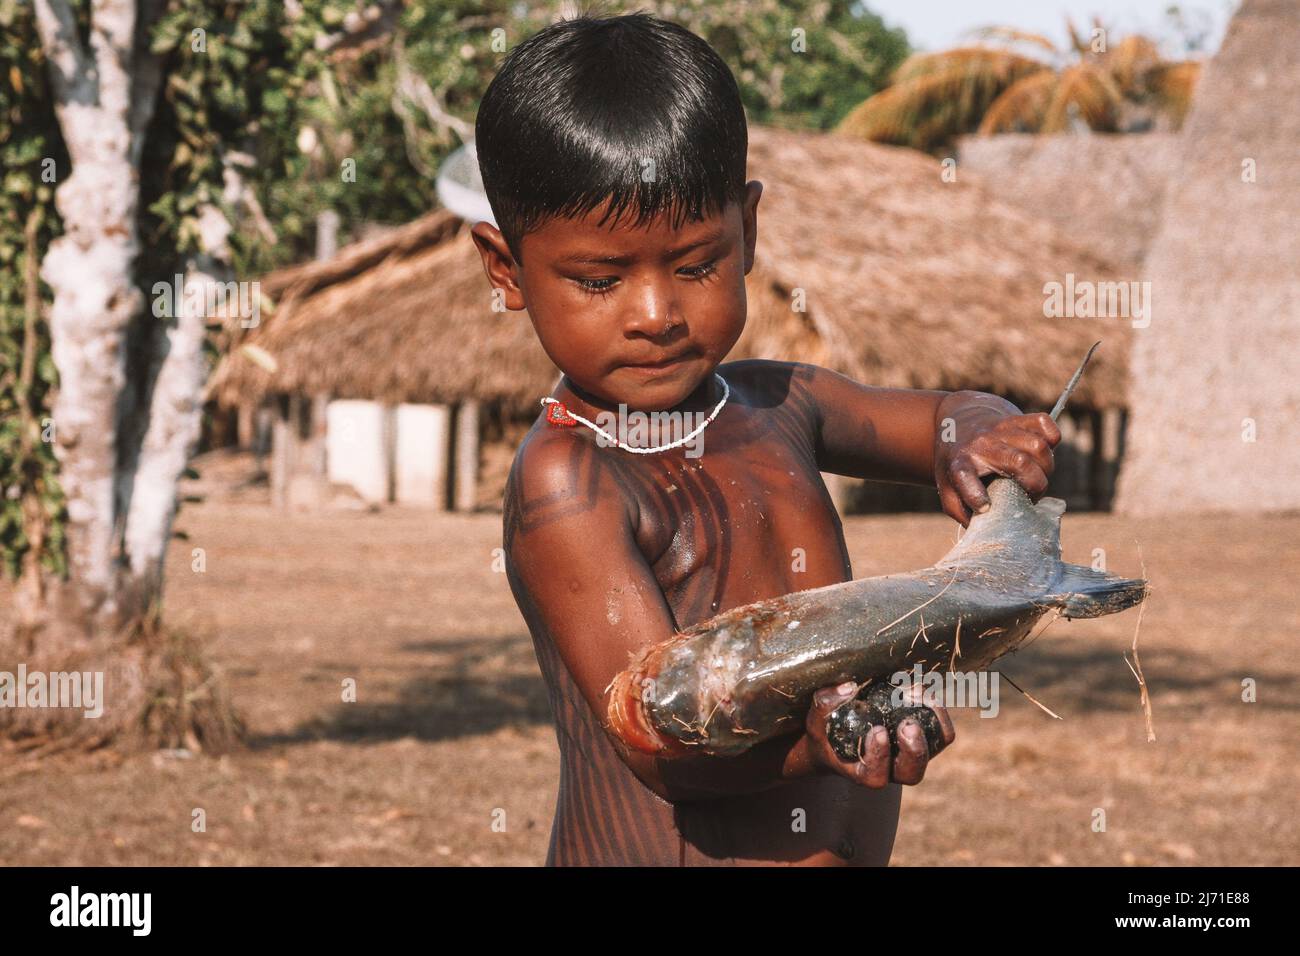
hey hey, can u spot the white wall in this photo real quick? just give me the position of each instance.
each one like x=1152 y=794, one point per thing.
x=423 y=432
x=355 y=453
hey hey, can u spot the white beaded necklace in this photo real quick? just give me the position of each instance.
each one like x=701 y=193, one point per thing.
x=558 y=414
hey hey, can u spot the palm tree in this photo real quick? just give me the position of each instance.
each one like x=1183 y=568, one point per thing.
x=992 y=88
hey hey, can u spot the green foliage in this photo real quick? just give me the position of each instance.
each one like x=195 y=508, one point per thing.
x=350 y=101
x=225 y=75
x=801 y=64
x=31 y=154
x=295 y=95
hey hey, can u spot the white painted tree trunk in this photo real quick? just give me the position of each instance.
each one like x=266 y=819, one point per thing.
x=121 y=499
x=90 y=270
x=175 y=420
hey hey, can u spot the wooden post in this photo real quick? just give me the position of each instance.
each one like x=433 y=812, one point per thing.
x=316 y=456
x=389 y=444
x=466 y=444
x=441 y=454
x=245 y=431
x=284 y=435
x=1111 y=427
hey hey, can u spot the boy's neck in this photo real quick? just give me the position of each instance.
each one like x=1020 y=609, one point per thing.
x=703 y=399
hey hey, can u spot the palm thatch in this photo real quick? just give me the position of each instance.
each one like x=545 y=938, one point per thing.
x=935 y=97
x=908 y=281
x=1215 y=392
x=1105 y=191
x=915 y=282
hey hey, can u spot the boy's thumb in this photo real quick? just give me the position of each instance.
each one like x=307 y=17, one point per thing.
x=833 y=695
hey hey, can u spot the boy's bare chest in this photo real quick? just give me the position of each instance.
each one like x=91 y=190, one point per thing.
x=741 y=523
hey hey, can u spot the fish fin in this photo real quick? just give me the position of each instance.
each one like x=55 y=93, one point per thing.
x=1052 y=507
x=1083 y=592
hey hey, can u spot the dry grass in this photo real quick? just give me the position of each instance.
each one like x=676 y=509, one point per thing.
x=451 y=722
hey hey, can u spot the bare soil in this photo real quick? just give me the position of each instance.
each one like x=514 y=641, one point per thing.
x=450 y=729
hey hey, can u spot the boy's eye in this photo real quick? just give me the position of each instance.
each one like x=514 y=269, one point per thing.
x=604 y=284
x=702 y=270
x=596 y=286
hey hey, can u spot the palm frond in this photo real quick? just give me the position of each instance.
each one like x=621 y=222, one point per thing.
x=1130 y=59
x=949 y=90
x=977 y=60
x=1087 y=91
x=1172 y=85
x=1077 y=43
x=1012 y=35
x=1021 y=106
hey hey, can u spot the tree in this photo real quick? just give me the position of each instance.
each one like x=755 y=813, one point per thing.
x=996 y=88
x=394 y=89
x=105 y=119
x=149 y=139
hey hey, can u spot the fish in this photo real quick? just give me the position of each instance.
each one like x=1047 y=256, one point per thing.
x=748 y=675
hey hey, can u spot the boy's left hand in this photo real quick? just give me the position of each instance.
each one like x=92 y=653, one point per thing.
x=1017 y=446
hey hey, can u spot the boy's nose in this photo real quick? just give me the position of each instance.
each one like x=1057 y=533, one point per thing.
x=653 y=312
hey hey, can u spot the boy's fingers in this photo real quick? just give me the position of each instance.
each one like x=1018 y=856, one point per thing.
x=913 y=754
x=1041 y=421
x=966 y=480
x=824 y=701
x=828 y=697
x=873 y=769
x=1033 y=444
x=1017 y=464
x=952 y=505
x=946 y=724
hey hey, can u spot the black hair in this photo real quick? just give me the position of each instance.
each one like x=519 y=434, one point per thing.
x=579 y=110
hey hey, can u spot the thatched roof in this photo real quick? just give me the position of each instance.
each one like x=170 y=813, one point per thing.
x=909 y=281
x=1105 y=190
x=1225 y=333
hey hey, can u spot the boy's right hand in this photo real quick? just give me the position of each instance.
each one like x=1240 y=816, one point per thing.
x=873 y=768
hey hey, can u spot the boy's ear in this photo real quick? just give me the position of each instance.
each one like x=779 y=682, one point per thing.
x=498 y=263
x=749 y=220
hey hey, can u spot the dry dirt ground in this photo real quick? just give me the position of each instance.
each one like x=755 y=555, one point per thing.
x=450 y=729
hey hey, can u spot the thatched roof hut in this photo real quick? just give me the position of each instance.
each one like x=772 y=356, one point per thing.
x=1104 y=190
x=1215 y=396
x=909 y=280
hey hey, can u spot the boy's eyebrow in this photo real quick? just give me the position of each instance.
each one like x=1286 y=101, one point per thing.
x=596 y=258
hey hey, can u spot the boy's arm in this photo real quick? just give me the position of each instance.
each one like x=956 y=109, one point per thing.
x=926 y=437
x=581 y=580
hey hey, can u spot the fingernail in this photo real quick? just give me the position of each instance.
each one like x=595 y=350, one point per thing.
x=845 y=687
x=982 y=508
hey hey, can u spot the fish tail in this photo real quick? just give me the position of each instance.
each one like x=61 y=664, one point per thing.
x=1083 y=592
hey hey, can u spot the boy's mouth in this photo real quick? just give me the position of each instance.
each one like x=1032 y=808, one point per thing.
x=661 y=364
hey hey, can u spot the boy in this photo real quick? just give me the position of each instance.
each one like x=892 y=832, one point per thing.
x=613 y=153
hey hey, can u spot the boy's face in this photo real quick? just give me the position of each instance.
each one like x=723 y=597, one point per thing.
x=635 y=315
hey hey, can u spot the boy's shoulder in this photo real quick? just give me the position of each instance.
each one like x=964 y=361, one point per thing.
x=558 y=474
x=769 y=385
x=767 y=371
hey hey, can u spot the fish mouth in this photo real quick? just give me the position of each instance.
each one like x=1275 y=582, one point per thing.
x=627 y=718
